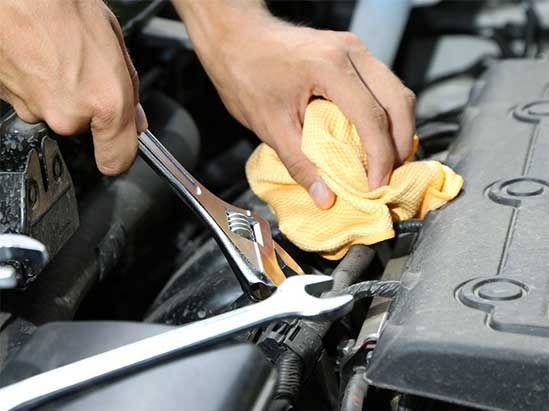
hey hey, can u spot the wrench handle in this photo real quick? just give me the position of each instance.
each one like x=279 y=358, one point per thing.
x=166 y=163
x=34 y=390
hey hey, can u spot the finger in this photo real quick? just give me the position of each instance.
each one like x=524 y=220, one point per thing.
x=113 y=116
x=288 y=135
x=19 y=106
x=140 y=116
x=397 y=100
x=23 y=111
x=113 y=122
x=129 y=63
x=343 y=86
x=114 y=138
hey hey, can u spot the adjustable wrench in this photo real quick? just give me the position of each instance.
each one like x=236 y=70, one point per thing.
x=244 y=236
x=291 y=299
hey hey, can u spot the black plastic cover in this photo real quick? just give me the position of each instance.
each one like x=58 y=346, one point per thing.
x=229 y=377
x=471 y=324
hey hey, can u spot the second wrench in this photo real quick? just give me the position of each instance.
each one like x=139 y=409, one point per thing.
x=291 y=299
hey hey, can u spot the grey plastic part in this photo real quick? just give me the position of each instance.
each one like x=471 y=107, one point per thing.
x=471 y=324
x=380 y=24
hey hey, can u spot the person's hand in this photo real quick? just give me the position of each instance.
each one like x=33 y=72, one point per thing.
x=266 y=71
x=64 y=62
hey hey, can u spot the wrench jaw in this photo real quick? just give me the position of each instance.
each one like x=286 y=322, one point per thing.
x=265 y=263
x=286 y=263
x=277 y=263
x=246 y=240
x=266 y=245
x=329 y=308
x=301 y=295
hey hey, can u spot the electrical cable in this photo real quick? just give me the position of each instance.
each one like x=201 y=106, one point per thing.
x=366 y=289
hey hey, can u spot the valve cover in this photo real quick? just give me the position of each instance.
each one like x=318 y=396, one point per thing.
x=471 y=323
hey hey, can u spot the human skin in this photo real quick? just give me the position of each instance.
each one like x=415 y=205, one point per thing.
x=64 y=62
x=267 y=70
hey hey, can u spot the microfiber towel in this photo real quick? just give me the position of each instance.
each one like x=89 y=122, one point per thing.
x=359 y=216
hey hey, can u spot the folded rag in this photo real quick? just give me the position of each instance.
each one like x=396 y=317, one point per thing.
x=359 y=216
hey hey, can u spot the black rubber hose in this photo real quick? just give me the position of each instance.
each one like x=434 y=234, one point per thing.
x=352 y=266
x=290 y=374
x=349 y=270
x=355 y=391
x=374 y=288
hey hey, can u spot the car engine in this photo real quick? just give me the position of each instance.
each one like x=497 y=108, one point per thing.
x=462 y=322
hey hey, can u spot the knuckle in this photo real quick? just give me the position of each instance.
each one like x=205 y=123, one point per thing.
x=409 y=98
x=350 y=39
x=335 y=55
x=405 y=148
x=110 y=110
x=380 y=116
x=299 y=170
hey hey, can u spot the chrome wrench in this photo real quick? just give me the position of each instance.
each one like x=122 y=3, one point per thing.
x=294 y=298
x=244 y=236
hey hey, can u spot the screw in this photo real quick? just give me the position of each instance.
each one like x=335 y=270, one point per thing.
x=33 y=193
x=345 y=348
x=57 y=167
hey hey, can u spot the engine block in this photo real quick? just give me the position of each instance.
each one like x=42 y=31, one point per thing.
x=471 y=324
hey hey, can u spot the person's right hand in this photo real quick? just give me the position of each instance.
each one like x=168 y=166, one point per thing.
x=267 y=71
x=64 y=62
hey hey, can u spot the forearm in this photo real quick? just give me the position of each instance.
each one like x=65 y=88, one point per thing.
x=211 y=21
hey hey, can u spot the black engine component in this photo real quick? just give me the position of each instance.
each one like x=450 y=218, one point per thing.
x=204 y=286
x=37 y=196
x=231 y=377
x=116 y=221
x=470 y=324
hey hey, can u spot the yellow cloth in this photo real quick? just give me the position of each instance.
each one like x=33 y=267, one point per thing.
x=359 y=216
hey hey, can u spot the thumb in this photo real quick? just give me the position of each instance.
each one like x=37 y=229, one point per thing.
x=302 y=170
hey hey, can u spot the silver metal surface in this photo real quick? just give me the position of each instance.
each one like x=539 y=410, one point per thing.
x=8 y=276
x=294 y=298
x=28 y=253
x=244 y=236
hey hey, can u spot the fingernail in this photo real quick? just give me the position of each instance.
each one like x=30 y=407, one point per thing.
x=141 y=122
x=321 y=194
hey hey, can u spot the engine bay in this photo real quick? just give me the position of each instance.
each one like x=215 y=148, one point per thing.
x=451 y=314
